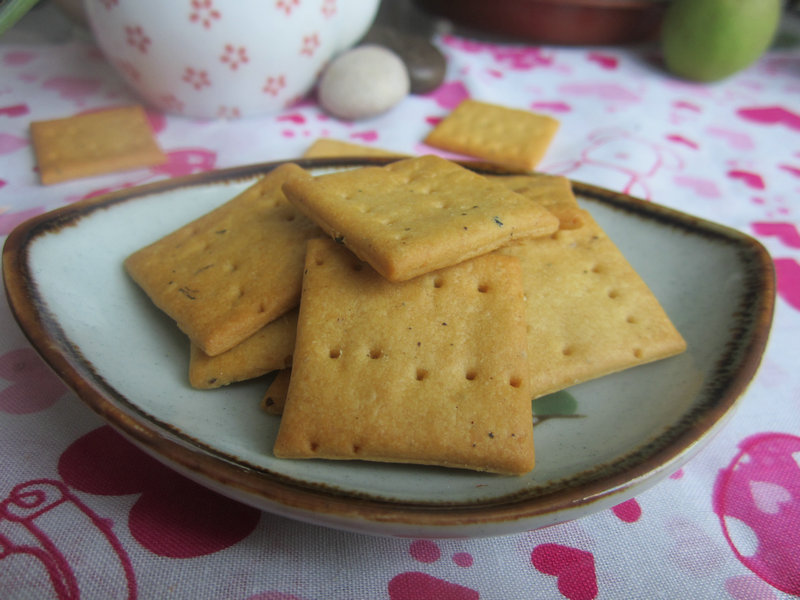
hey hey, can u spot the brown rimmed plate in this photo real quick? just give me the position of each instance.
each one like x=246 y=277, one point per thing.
x=599 y=444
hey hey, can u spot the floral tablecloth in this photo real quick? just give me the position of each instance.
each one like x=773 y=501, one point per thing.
x=120 y=525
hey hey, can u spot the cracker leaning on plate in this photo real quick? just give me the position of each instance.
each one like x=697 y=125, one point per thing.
x=589 y=312
x=427 y=371
x=227 y=274
x=417 y=215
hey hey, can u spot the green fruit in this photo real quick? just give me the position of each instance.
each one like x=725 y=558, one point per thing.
x=708 y=40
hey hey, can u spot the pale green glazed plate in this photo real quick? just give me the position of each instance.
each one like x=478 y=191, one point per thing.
x=597 y=444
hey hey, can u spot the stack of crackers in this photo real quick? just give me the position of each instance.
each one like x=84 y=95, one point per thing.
x=414 y=310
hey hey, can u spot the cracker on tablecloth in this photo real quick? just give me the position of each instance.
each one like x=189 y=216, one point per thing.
x=417 y=215
x=227 y=274
x=506 y=136
x=268 y=349
x=402 y=372
x=94 y=143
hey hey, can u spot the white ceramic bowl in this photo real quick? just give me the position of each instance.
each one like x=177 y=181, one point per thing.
x=225 y=58
x=628 y=430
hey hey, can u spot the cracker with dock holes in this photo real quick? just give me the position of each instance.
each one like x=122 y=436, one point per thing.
x=227 y=274
x=428 y=371
x=417 y=215
x=506 y=136
x=589 y=312
x=94 y=143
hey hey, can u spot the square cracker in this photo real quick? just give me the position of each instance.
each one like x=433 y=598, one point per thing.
x=328 y=148
x=268 y=349
x=94 y=143
x=553 y=192
x=228 y=273
x=499 y=134
x=427 y=371
x=589 y=312
x=417 y=215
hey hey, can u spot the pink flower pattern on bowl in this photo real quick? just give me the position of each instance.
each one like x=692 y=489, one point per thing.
x=225 y=58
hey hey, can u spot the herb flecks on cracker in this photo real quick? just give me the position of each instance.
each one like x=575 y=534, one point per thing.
x=417 y=215
x=377 y=376
x=222 y=288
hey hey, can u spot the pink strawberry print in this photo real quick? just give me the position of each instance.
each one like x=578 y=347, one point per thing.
x=628 y=511
x=173 y=517
x=296 y=118
x=415 y=585
x=54 y=559
x=33 y=386
x=787 y=233
x=449 y=95
x=606 y=61
x=572 y=567
x=16 y=110
x=750 y=179
x=679 y=139
x=771 y=115
x=787 y=271
x=757 y=500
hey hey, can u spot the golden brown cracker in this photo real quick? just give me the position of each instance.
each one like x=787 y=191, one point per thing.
x=506 y=136
x=268 y=349
x=417 y=215
x=94 y=144
x=275 y=397
x=330 y=148
x=227 y=274
x=427 y=371
x=553 y=192
x=589 y=312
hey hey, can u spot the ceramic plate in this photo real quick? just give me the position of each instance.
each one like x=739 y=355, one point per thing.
x=597 y=444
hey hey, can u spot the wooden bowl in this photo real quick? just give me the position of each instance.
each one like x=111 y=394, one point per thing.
x=569 y=22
